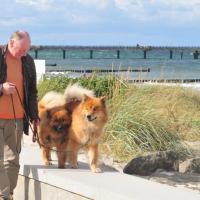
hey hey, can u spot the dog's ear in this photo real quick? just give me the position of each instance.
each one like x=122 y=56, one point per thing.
x=68 y=108
x=72 y=105
x=85 y=97
x=48 y=114
x=103 y=100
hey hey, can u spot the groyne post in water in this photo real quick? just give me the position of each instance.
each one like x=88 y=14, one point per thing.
x=181 y=55
x=196 y=54
x=100 y=70
x=118 y=54
x=91 y=54
x=145 y=54
x=171 y=54
x=36 y=53
x=64 y=53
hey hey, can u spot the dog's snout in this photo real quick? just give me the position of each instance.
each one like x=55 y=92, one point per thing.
x=89 y=117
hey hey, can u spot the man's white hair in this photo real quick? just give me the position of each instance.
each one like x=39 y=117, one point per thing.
x=20 y=34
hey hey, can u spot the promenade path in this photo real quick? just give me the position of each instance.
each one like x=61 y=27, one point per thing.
x=39 y=182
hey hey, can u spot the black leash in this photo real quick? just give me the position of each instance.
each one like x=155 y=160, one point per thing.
x=11 y=96
x=34 y=130
x=16 y=130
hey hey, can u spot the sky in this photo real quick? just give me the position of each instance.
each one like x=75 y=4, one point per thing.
x=103 y=22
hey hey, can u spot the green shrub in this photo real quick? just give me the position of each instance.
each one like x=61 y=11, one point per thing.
x=102 y=86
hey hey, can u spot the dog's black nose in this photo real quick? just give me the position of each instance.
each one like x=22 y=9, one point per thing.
x=89 y=117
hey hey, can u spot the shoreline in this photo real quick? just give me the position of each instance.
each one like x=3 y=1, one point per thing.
x=193 y=85
x=121 y=73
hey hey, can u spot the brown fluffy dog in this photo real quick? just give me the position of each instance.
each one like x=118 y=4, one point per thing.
x=88 y=120
x=55 y=120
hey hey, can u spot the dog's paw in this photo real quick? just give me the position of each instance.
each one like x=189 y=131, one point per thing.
x=47 y=163
x=97 y=170
x=74 y=166
x=61 y=166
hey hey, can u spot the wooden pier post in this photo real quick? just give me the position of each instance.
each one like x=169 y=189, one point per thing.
x=64 y=53
x=36 y=53
x=196 y=54
x=145 y=54
x=181 y=55
x=118 y=54
x=171 y=54
x=91 y=54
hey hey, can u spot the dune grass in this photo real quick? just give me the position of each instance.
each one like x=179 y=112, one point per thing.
x=142 y=118
x=150 y=118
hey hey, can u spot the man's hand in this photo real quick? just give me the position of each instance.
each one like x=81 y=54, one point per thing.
x=8 y=88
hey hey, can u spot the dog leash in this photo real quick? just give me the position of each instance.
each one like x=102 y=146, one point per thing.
x=15 y=121
x=34 y=129
x=11 y=96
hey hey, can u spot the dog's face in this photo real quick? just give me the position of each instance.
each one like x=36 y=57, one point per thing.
x=59 y=119
x=94 y=109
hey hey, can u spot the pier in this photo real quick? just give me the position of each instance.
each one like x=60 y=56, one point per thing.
x=117 y=49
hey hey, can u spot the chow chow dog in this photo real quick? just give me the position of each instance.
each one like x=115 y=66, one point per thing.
x=55 y=120
x=88 y=119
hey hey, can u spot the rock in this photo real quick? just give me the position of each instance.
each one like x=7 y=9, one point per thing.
x=190 y=166
x=146 y=165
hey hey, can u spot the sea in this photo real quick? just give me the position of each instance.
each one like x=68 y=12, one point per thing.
x=181 y=66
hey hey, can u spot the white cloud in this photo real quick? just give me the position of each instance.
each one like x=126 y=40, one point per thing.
x=178 y=3
x=171 y=10
x=88 y=11
x=12 y=22
x=73 y=11
x=79 y=19
x=38 y=4
x=101 y=4
x=127 y=4
x=50 y=4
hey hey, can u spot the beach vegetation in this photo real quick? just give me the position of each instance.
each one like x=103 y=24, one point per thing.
x=102 y=86
x=142 y=117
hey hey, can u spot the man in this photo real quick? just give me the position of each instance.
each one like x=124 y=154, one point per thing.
x=17 y=82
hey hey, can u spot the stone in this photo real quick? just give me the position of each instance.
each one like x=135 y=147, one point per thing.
x=190 y=166
x=146 y=165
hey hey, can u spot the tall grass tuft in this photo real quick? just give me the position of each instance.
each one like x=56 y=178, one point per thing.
x=151 y=118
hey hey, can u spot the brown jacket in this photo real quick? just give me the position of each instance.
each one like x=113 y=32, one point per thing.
x=29 y=84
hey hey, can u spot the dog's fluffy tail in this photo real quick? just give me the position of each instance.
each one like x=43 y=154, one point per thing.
x=77 y=92
x=52 y=99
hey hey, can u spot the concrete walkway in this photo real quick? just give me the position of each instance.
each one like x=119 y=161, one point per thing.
x=43 y=183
